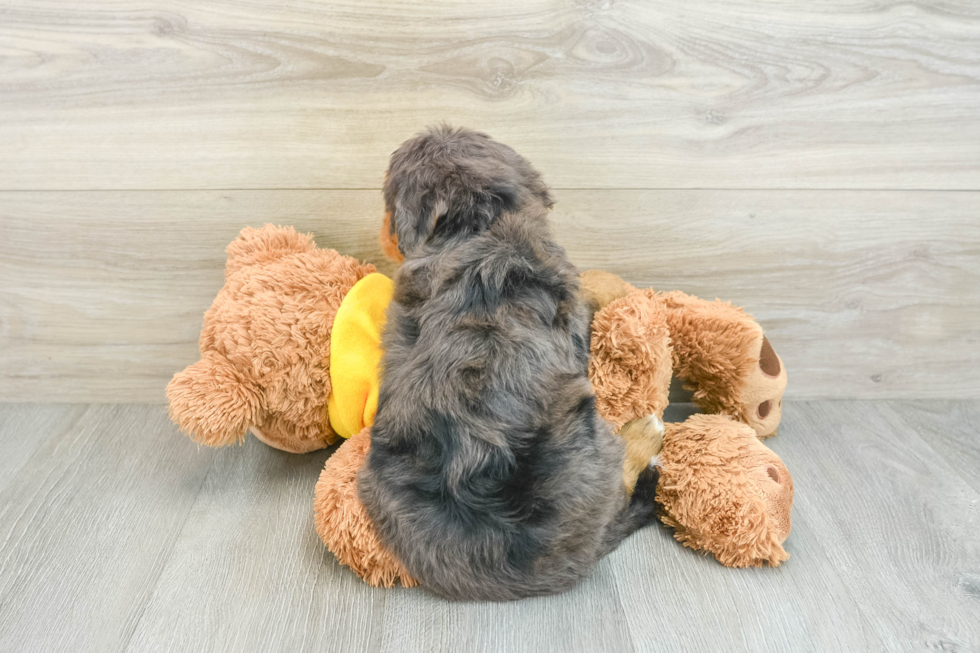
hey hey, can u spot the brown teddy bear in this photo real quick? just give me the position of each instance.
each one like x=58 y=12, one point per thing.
x=719 y=352
x=266 y=345
x=721 y=489
x=290 y=347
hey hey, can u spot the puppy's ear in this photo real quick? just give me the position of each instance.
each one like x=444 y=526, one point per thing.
x=415 y=213
x=389 y=241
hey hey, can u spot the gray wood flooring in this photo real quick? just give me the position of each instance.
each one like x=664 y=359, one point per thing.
x=118 y=534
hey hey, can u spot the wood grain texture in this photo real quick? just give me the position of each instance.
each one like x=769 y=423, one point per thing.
x=884 y=553
x=88 y=521
x=863 y=293
x=673 y=94
x=590 y=617
x=250 y=574
x=950 y=428
x=119 y=534
x=896 y=520
x=804 y=605
x=102 y=295
x=24 y=428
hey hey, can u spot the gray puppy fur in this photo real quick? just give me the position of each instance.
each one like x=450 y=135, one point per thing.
x=490 y=473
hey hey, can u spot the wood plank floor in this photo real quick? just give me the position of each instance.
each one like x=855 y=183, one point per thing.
x=119 y=534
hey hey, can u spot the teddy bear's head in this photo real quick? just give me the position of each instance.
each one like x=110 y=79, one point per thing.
x=265 y=344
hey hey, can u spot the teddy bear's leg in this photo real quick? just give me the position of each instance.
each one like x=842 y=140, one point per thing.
x=266 y=244
x=725 y=492
x=294 y=437
x=722 y=354
x=212 y=402
x=343 y=523
x=629 y=368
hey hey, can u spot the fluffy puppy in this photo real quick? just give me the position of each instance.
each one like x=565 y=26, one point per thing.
x=490 y=475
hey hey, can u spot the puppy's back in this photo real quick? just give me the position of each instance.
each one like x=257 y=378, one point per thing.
x=490 y=473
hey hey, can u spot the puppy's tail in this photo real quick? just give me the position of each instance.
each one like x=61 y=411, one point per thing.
x=641 y=510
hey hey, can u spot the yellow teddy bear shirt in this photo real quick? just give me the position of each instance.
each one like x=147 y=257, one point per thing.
x=355 y=354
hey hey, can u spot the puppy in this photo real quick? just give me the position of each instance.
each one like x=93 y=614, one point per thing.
x=490 y=474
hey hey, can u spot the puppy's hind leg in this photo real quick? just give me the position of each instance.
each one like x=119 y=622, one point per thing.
x=644 y=438
x=641 y=510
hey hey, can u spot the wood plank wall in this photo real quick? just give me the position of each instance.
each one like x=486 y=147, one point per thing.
x=818 y=163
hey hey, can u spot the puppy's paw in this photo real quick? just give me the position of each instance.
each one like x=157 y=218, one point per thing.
x=645 y=492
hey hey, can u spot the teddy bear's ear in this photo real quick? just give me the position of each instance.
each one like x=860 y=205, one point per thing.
x=211 y=402
x=266 y=244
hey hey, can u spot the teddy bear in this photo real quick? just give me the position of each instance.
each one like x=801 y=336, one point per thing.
x=290 y=351
x=721 y=490
x=718 y=352
x=266 y=345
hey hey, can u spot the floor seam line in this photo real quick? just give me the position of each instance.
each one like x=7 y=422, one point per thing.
x=170 y=555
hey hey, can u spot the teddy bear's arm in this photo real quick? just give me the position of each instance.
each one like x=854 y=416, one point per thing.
x=212 y=402
x=723 y=356
x=630 y=358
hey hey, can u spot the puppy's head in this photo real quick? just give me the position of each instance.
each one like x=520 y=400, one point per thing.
x=447 y=182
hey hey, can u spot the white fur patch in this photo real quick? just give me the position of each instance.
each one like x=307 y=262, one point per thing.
x=658 y=424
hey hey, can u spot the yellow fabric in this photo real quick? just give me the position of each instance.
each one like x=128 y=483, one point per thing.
x=355 y=354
